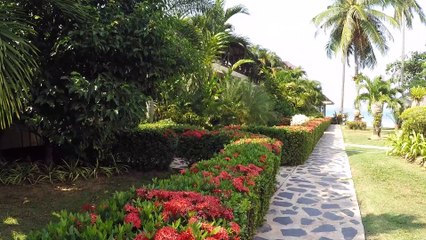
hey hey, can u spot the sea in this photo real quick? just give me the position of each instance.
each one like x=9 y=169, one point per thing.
x=388 y=120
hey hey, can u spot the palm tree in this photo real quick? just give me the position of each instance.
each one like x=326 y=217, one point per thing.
x=17 y=62
x=376 y=93
x=356 y=28
x=404 y=14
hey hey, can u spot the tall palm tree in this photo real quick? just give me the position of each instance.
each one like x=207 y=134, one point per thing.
x=376 y=92
x=17 y=62
x=405 y=10
x=356 y=29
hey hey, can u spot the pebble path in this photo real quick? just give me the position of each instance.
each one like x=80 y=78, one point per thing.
x=317 y=200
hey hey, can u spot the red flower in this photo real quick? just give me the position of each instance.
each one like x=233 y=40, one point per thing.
x=225 y=175
x=194 y=133
x=238 y=183
x=235 y=227
x=141 y=236
x=130 y=209
x=134 y=219
x=88 y=207
x=262 y=158
x=207 y=227
x=228 y=159
x=222 y=234
x=93 y=218
x=206 y=174
x=182 y=171
x=166 y=233
x=235 y=155
x=187 y=235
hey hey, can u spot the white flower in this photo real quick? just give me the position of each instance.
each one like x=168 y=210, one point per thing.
x=299 y=119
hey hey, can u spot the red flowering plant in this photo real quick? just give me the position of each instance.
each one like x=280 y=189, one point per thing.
x=225 y=197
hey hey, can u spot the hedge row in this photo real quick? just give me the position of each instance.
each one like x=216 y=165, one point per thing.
x=225 y=197
x=153 y=146
x=298 y=141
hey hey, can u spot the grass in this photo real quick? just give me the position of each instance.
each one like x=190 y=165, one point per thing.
x=362 y=137
x=29 y=207
x=391 y=192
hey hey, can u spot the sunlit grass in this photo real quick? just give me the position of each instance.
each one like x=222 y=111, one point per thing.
x=390 y=191
x=31 y=207
x=18 y=236
x=10 y=221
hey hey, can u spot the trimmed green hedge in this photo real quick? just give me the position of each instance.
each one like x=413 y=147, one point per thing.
x=145 y=149
x=225 y=197
x=298 y=141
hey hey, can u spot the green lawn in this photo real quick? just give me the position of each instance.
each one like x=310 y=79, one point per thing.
x=362 y=137
x=29 y=207
x=391 y=192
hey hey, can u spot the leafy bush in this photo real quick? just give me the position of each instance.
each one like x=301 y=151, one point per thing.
x=356 y=125
x=223 y=198
x=146 y=148
x=298 y=141
x=243 y=102
x=299 y=119
x=414 y=119
x=412 y=147
x=195 y=144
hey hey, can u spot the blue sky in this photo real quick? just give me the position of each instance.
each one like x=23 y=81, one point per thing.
x=285 y=27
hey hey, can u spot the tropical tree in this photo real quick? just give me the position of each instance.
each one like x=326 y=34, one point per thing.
x=405 y=11
x=356 y=29
x=376 y=92
x=18 y=62
x=414 y=71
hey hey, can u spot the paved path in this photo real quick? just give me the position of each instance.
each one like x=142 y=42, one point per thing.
x=316 y=201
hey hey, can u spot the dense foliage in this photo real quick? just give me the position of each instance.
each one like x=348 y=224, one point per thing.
x=223 y=198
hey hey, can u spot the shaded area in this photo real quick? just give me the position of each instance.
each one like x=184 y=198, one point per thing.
x=29 y=207
x=390 y=222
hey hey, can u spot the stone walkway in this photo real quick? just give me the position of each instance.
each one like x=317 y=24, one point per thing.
x=316 y=201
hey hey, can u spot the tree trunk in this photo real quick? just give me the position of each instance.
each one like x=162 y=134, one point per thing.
x=356 y=103
x=377 y=122
x=403 y=49
x=343 y=85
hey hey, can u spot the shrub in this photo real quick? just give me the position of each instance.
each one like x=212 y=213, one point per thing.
x=412 y=147
x=223 y=198
x=195 y=144
x=298 y=141
x=299 y=119
x=414 y=119
x=356 y=125
x=146 y=148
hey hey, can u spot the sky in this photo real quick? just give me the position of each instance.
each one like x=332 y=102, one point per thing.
x=286 y=27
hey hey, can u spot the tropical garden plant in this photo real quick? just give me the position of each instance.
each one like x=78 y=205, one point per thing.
x=376 y=93
x=356 y=28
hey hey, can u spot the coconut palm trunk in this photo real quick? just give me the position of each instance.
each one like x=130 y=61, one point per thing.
x=403 y=48
x=343 y=85
x=377 y=122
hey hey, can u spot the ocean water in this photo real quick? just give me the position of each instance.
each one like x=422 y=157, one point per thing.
x=387 y=120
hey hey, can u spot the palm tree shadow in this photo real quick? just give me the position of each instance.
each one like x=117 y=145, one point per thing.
x=353 y=152
x=386 y=223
